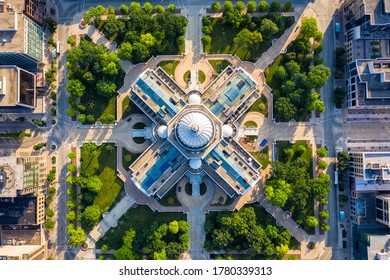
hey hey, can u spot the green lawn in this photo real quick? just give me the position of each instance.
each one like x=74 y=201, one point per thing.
x=128 y=108
x=258 y=107
x=270 y=71
x=250 y=124
x=128 y=158
x=223 y=40
x=103 y=164
x=219 y=65
x=187 y=76
x=137 y=218
x=170 y=198
x=262 y=157
x=169 y=66
x=282 y=145
x=201 y=76
x=101 y=107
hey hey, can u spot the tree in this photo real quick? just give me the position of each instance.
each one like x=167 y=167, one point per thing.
x=318 y=76
x=268 y=28
x=51 y=175
x=124 y=253
x=160 y=255
x=321 y=152
x=284 y=109
x=287 y=6
x=71 y=112
x=278 y=192
x=325 y=227
x=308 y=28
x=135 y=8
x=324 y=214
x=207 y=29
x=263 y=6
x=206 y=40
x=251 y=7
x=81 y=118
x=311 y=221
x=281 y=250
x=71 y=203
x=215 y=7
x=90 y=119
x=171 y=8
x=240 y=5
x=94 y=14
x=227 y=7
x=322 y=165
x=94 y=183
x=71 y=168
x=148 y=8
x=320 y=186
x=280 y=73
x=124 y=9
x=91 y=215
x=105 y=88
x=89 y=148
x=49 y=212
x=160 y=9
x=173 y=227
x=110 y=69
x=77 y=237
x=140 y=52
x=110 y=148
x=49 y=224
x=184 y=226
x=275 y=6
x=289 y=153
x=247 y=39
x=113 y=26
x=234 y=18
x=51 y=24
x=338 y=97
x=148 y=40
x=221 y=238
x=71 y=155
x=71 y=216
x=71 y=41
x=292 y=67
x=173 y=250
x=318 y=36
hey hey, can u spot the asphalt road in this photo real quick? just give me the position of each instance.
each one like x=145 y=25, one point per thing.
x=68 y=8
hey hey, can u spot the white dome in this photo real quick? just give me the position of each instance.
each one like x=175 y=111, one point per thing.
x=195 y=163
x=162 y=132
x=227 y=131
x=194 y=130
x=194 y=99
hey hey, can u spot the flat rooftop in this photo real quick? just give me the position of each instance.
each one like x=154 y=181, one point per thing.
x=231 y=93
x=158 y=95
x=376 y=76
x=20 y=210
x=12 y=19
x=158 y=168
x=234 y=169
x=13 y=176
x=379 y=11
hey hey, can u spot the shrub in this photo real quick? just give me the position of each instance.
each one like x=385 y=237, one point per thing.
x=124 y=9
x=71 y=168
x=49 y=212
x=215 y=7
x=71 y=41
x=49 y=224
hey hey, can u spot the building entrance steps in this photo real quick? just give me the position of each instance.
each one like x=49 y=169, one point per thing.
x=195 y=181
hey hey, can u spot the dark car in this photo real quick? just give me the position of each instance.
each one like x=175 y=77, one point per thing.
x=129 y=119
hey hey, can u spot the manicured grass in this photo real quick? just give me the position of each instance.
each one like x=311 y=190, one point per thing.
x=169 y=66
x=98 y=106
x=137 y=218
x=251 y=138
x=270 y=71
x=139 y=125
x=187 y=76
x=250 y=124
x=201 y=76
x=257 y=107
x=219 y=65
x=104 y=165
x=170 y=198
x=223 y=41
x=306 y=156
x=128 y=108
x=262 y=157
x=128 y=158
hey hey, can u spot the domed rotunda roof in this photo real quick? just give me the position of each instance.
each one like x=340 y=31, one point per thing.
x=162 y=132
x=195 y=163
x=194 y=99
x=194 y=130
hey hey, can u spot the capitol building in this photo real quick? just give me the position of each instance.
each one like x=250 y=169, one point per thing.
x=194 y=133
